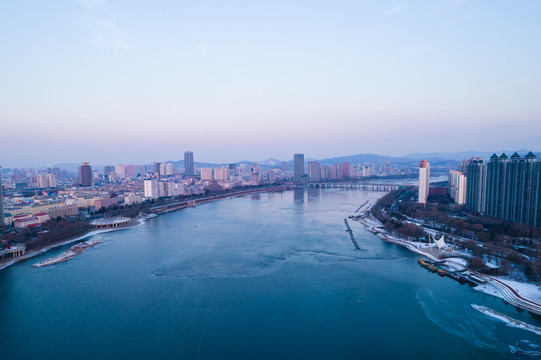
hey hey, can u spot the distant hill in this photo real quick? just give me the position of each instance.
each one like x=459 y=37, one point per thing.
x=464 y=155
x=395 y=161
x=437 y=160
x=74 y=167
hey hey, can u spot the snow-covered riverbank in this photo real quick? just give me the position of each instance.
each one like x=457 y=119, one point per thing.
x=136 y=222
x=522 y=295
x=72 y=252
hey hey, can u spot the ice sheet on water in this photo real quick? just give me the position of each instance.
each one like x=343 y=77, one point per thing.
x=256 y=263
x=459 y=321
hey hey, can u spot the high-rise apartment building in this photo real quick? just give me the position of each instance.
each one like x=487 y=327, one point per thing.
x=298 y=167
x=367 y=170
x=232 y=170
x=221 y=173
x=522 y=190
x=46 y=180
x=457 y=186
x=336 y=171
x=496 y=177
x=476 y=184
x=325 y=172
x=255 y=172
x=129 y=171
x=355 y=171
x=424 y=181
x=120 y=171
x=189 y=169
x=157 y=168
x=167 y=169
x=345 y=170
x=85 y=174
x=207 y=174
x=514 y=188
x=314 y=171
x=108 y=169
x=151 y=188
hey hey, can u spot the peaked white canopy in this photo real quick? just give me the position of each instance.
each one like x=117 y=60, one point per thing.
x=440 y=243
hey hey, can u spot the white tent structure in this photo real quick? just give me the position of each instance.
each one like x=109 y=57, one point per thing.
x=440 y=243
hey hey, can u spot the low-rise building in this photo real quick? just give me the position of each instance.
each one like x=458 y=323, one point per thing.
x=106 y=202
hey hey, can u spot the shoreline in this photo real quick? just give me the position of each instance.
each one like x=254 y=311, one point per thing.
x=69 y=254
x=139 y=220
x=503 y=290
x=92 y=232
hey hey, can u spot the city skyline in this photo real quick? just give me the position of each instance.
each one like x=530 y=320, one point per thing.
x=128 y=82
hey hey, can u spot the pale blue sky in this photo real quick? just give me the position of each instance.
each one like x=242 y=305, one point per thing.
x=137 y=81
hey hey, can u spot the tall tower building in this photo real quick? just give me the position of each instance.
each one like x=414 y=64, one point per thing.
x=476 y=185
x=151 y=188
x=314 y=171
x=232 y=170
x=336 y=171
x=496 y=171
x=345 y=170
x=157 y=168
x=514 y=188
x=298 y=167
x=424 y=181
x=85 y=173
x=521 y=192
x=189 y=169
x=2 y=224
x=457 y=186
x=207 y=173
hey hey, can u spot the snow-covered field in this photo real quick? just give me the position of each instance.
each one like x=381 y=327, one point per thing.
x=528 y=291
x=490 y=290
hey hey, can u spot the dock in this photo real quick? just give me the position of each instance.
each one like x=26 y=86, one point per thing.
x=13 y=251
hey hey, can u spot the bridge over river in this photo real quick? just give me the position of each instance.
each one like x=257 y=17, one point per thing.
x=357 y=186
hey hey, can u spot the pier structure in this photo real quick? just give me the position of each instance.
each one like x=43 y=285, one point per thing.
x=350 y=232
x=13 y=251
x=357 y=186
x=111 y=223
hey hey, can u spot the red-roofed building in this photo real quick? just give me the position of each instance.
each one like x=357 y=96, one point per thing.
x=26 y=220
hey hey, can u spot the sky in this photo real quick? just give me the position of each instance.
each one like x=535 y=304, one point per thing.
x=121 y=81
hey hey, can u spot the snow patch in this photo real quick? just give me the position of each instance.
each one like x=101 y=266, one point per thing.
x=509 y=321
x=490 y=290
x=528 y=291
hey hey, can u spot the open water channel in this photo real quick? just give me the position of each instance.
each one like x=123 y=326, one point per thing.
x=268 y=276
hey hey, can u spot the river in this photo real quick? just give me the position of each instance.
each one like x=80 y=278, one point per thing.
x=266 y=276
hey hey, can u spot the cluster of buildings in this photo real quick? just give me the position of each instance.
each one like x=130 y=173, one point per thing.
x=194 y=181
x=33 y=196
x=505 y=188
x=317 y=171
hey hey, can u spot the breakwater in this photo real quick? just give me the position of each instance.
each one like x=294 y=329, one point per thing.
x=360 y=207
x=350 y=232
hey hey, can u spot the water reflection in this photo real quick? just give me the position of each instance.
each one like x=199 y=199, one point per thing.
x=313 y=194
x=298 y=195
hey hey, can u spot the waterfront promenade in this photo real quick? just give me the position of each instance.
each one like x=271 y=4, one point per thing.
x=197 y=201
x=508 y=293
